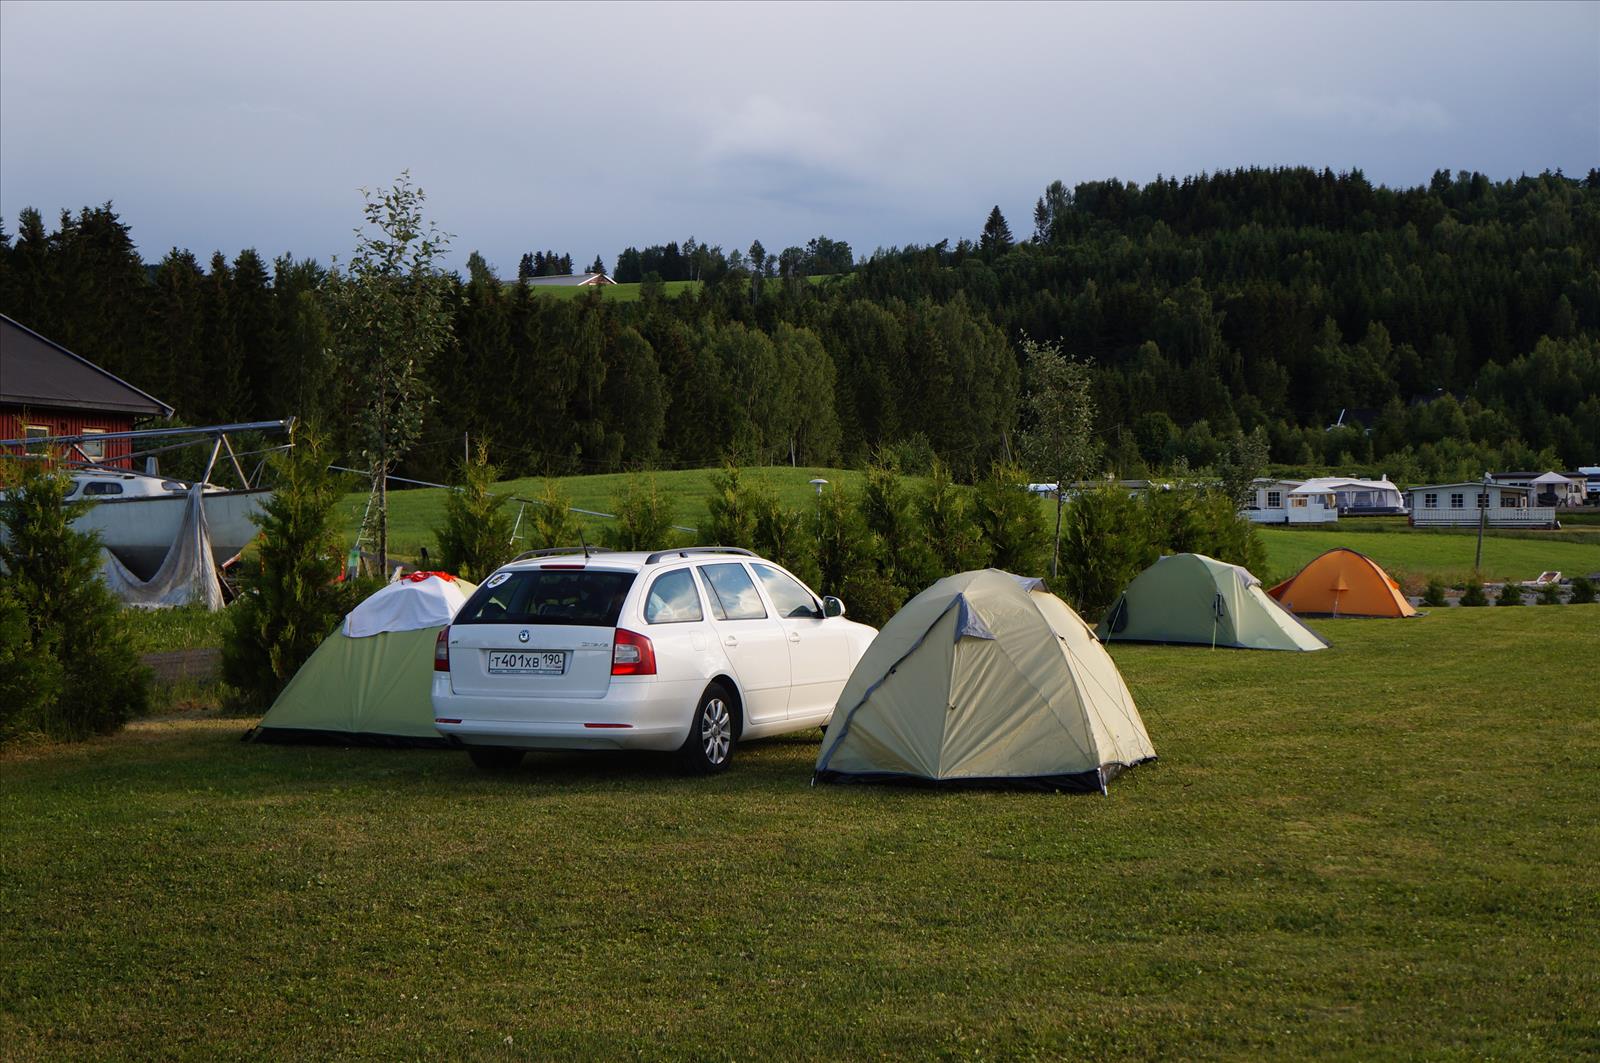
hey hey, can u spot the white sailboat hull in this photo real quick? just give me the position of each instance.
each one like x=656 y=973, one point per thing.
x=140 y=530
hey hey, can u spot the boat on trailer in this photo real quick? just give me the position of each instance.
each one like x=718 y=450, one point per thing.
x=138 y=515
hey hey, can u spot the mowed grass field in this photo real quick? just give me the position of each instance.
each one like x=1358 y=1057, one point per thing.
x=631 y=293
x=1409 y=556
x=1386 y=849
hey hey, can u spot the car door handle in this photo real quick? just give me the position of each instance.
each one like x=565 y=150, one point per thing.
x=730 y=641
x=794 y=636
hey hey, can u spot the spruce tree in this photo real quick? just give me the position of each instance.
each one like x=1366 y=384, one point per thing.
x=58 y=621
x=996 y=238
x=476 y=537
x=290 y=601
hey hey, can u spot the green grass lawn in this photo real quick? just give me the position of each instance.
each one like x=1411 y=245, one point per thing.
x=1414 y=557
x=1410 y=556
x=1386 y=849
x=188 y=628
x=630 y=293
x=414 y=515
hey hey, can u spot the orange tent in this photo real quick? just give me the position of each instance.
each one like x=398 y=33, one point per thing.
x=1342 y=583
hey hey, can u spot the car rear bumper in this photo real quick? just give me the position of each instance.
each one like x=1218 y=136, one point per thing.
x=633 y=715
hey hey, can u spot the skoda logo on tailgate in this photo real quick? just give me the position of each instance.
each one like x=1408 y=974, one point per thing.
x=523 y=635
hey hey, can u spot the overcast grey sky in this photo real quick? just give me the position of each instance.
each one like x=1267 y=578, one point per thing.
x=586 y=128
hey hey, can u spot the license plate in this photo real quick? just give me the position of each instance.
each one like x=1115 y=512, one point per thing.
x=527 y=662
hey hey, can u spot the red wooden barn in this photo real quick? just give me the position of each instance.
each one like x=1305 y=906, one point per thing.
x=46 y=390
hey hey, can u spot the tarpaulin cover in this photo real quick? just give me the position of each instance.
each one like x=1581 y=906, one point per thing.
x=187 y=574
x=408 y=605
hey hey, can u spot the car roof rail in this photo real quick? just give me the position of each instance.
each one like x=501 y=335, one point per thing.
x=685 y=551
x=553 y=551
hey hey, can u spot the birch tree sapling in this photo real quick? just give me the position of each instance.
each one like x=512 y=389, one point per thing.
x=1060 y=410
x=390 y=318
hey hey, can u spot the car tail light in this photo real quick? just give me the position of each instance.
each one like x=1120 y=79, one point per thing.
x=632 y=654
x=441 y=651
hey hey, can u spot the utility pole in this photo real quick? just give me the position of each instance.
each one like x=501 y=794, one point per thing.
x=1483 y=518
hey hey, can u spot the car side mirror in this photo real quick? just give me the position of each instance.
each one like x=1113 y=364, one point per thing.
x=832 y=606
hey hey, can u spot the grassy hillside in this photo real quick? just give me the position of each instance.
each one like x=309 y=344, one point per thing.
x=415 y=514
x=1407 y=555
x=620 y=293
x=1398 y=867
x=629 y=293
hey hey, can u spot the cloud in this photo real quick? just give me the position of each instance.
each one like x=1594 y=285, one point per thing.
x=1401 y=115
x=763 y=128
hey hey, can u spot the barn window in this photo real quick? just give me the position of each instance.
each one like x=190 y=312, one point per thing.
x=1430 y=500
x=34 y=432
x=93 y=449
x=1458 y=501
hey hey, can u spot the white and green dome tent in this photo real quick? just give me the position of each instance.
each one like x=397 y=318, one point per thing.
x=371 y=682
x=985 y=679
x=1198 y=599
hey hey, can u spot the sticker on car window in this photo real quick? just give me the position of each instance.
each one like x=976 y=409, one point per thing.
x=497 y=579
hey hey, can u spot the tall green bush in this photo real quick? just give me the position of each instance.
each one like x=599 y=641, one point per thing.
x=847 y=560
x=290 y=601
x=946 y=511
x=644 y=517
x=1582 y=591
x=1011 y=524
x=890 y=513
x=1105 y=543
x=67 y=665
x=551 y=523
x=787 y=536
x=1473 y=596
x=1203 y=520
x=1435 y=594
x=30 y=682
x=731 y=510
x=1550 y=594
x=1510 y=594
x=476 y=537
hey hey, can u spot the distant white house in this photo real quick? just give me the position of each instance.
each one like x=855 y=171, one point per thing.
x=570 y=280
x=1291 y=502
x=1324 y=498
x=1590 y=475
x=1436 y=505
x=1569 y=489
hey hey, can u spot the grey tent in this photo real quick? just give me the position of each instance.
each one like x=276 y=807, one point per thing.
x=1195 y=598
x=985 y=678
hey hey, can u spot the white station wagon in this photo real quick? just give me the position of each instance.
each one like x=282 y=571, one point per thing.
x=691 y=650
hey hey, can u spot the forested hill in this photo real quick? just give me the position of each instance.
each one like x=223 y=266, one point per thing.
x=1458 y=326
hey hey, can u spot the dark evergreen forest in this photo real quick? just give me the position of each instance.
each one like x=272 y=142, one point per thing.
x=1456 y=326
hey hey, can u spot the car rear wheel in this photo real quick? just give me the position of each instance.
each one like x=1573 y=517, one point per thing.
x=495 y=758
x=709 y=747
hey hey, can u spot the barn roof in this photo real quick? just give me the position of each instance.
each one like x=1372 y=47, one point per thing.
x=37 y=372
x=570 y=280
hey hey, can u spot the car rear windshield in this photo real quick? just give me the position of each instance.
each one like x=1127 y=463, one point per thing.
x=586 y=598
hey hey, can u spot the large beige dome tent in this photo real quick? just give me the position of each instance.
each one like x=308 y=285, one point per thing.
x=1198 y=599
x=371 y=681
x=985 y=679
